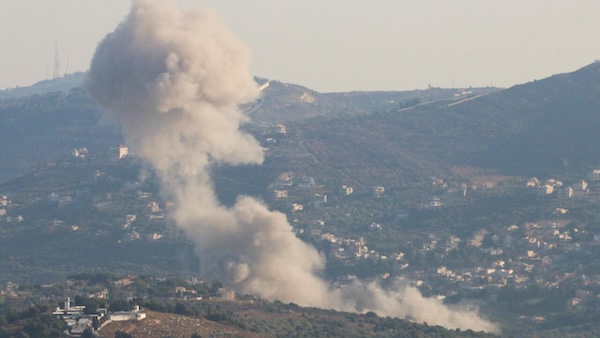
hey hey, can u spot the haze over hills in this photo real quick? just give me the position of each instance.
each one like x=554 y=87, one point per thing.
x=362 y=138
x=283 y=102
x=541 y=127
x=61 y=84
x=61 y=117
x=538 y=128
x=42 y=128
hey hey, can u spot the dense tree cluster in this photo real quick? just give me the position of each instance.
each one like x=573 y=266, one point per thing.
x=33 y=322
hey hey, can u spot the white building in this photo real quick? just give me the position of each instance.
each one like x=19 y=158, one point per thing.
x=378 y=190
x=347 y=190
x=121 y=316
x=119 y=152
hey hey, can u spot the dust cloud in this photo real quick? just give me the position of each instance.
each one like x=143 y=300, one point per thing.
x=173 y=80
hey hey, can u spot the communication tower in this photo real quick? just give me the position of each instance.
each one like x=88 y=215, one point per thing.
x=56 y=71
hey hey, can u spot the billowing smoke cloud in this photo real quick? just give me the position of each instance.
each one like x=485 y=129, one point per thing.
x=174 y=80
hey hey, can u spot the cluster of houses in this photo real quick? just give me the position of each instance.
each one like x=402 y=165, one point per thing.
x=78 y=320
x=345 y=248
x=579 y=190
x=518 y=255
x=5 y=216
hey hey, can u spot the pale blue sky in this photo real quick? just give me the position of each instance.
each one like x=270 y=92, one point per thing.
x=337 y=45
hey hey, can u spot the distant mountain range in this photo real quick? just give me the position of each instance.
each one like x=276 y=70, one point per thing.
x=539 y=128
x=283 y=102
x=51 y=118
x=61 y=84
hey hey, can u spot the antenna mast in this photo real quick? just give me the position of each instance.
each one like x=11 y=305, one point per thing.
x=56 y=72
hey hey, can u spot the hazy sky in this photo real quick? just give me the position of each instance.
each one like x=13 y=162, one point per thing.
x=336 y=45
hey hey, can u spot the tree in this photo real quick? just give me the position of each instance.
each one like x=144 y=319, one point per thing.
x=183 y=309
x=121 y=334
x=88 y=333
x=45 y=325
x=119 y=305
x=12 y=315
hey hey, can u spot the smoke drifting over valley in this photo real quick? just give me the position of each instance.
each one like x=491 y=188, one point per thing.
x=173 y=80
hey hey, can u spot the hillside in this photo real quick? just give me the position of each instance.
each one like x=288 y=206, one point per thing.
x=52 y=118
x=266 y=319
x=251 y=318
x=460 y=236
x=283 y=102
x=539 y=128
x=41 y=128
x=159 y=324
x=61 y=84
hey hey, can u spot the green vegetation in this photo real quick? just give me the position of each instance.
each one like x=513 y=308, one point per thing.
x=36 y=321
x=268 y=319
x=290 y=320
x=457 y=218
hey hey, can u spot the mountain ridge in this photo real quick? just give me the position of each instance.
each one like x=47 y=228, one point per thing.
x=522 y=130
x=539 y=128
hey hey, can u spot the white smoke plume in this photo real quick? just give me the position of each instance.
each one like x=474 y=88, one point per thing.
x=173 y=80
